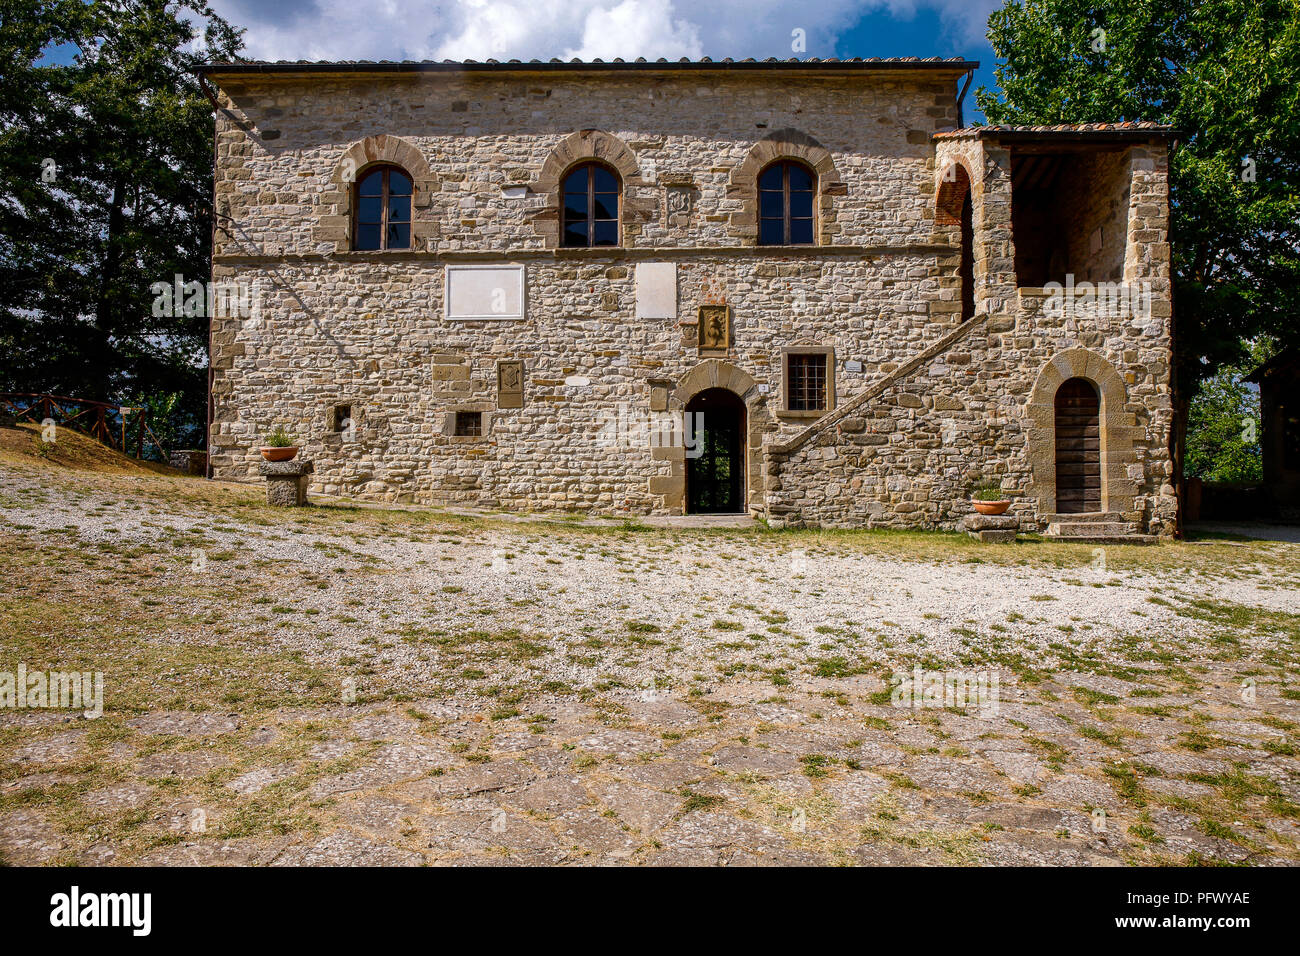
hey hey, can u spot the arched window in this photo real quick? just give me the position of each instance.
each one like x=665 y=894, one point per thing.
x=383 y=209
x=785 y=204
x=591 y=206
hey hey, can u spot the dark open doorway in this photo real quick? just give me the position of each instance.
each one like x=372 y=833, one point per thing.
x=715 y=478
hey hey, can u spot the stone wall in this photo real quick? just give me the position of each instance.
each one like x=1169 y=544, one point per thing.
x=284 y=145
x=981 y=407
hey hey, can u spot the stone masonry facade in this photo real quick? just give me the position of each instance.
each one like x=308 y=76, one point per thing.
x=927 y=397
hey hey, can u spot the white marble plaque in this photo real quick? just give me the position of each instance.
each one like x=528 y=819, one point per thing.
x=656 y=290
x=485 y=292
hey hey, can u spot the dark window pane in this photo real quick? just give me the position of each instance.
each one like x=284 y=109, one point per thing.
x=606 y=234
x=771 y=232
x=605 y=180
x=800 y=178
x=368 y=237
x=575 y=234
x=369 y=209
x=575 y=205
x=771 y=205
x=606 y=206
x=399 y=208
x=806 y=382
x=576 y=181
x=801 y=232
x=399 y=235
x=801 y=205
x=372 y=184
x=398 y=183
x=469 y=424
x=771 y=178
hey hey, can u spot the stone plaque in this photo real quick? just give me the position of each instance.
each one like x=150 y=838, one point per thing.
x=510 y=385
x=715 y=328
x=679 y=202
x=656 y=290
x=485 y=292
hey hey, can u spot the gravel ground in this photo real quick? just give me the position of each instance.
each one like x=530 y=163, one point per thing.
x=347 y=685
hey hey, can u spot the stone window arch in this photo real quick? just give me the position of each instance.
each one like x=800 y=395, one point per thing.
x=337 y=226
x=1117 y=426
x=580 y=148
x=784 y=144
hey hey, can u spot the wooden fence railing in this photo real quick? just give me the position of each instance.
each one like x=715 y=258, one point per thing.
x=122 y=427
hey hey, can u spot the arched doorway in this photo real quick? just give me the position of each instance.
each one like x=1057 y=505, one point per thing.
x=715 y=462
x=1078 y=447
x=966 y=264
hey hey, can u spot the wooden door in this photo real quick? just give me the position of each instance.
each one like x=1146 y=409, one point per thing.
x=1078 y=448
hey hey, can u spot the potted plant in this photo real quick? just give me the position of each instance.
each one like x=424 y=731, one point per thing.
x=989 y=500
x=279 y=446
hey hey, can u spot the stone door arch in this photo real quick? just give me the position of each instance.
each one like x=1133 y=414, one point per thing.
x=1116 y=428
x=711 y=374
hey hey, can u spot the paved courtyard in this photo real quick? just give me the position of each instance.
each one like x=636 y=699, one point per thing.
x=344 y=685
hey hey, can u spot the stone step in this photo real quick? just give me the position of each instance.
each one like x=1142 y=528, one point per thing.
x=1089 y=517
x=1083 y=529
x=1102 y=538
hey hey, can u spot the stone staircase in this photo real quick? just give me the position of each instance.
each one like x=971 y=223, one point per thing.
x=1095 y=527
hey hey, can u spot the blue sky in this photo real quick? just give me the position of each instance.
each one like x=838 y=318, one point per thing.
x=502 y=29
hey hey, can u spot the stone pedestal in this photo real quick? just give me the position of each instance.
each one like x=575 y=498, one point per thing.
x=990 y=527
x=286 y=482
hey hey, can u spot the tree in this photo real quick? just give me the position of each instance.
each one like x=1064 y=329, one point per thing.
x=105 y=189
x=1224 y=430
x=1226 y=75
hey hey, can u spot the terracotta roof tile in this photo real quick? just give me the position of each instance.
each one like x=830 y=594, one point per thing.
x=1063 y=129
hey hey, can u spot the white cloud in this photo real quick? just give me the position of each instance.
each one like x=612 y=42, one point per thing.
x=587 y=29
x=637 y=28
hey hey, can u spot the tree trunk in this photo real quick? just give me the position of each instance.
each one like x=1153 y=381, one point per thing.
x=106 y=319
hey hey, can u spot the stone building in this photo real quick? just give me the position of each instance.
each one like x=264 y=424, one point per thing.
x=790 y=288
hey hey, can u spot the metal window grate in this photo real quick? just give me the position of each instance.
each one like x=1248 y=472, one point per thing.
x=469 y=424
x=806 y=383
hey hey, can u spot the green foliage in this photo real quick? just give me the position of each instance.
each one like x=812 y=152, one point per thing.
x=123 y=135
x=1223 y=430
x=279 y=438
x=988 y=491
x=1226 y=74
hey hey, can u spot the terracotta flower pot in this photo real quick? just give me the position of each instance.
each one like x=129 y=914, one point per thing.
x=991 y=507
x=280 y=454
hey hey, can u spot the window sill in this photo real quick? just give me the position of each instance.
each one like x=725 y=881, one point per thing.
x=804 y=415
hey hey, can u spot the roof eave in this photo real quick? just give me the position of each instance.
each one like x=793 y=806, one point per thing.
x=1062 y=135
x=694 y=66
